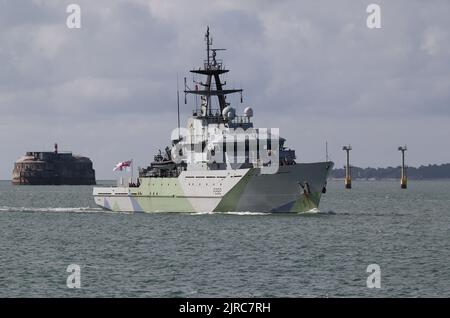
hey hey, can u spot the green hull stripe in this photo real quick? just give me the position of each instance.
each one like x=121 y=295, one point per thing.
x=306 y=202
x=230 y=200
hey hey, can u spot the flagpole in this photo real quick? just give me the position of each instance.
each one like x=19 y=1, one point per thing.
x=178 y=108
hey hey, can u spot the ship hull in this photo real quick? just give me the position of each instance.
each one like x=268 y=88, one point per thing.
x=245 y=190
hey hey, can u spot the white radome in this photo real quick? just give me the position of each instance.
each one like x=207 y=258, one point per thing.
x=228 y=113
x=248 y=112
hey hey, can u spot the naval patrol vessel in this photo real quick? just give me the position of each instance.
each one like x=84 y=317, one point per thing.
x=220 y=162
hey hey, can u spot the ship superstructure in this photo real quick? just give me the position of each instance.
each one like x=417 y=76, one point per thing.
x=220 y=162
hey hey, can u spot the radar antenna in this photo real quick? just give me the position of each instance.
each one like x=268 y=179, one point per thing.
x=212 y=69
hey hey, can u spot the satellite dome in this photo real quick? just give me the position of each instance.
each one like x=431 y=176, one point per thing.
x=228 y=113
x=248 y=112
x=225 y=112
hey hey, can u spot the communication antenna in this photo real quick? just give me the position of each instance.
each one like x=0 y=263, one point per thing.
x=185 y=94
x=213 y=68
x=178 y=108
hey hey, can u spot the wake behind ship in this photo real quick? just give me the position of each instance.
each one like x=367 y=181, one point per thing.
x=220 y=162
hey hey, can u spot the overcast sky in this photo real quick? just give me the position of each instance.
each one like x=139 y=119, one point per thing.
x=311 y=68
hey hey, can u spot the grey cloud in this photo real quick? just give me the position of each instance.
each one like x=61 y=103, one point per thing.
x=108 y=90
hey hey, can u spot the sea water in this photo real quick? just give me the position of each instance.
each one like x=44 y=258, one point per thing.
x=324 y=253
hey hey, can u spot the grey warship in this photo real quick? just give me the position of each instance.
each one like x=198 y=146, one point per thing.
x=53 y=168
x=220 y=162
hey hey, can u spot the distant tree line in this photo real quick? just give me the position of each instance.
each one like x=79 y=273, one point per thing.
x=420 y=173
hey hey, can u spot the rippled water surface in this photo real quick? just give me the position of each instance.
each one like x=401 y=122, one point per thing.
x=43 y=229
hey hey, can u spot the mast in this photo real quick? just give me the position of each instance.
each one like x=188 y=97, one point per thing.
x=212 y=69
x=208 y=43
x=178 y=109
